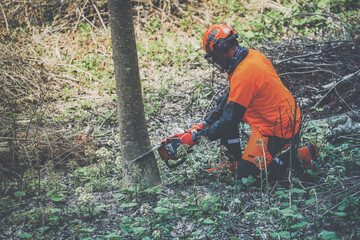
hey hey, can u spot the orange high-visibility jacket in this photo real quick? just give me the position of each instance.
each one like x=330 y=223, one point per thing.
x=270 y=107
x=258 y=97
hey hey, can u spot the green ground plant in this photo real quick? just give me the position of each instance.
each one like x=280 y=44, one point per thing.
x=52 y=203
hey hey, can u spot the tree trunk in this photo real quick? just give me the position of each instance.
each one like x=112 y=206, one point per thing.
x=134 y=138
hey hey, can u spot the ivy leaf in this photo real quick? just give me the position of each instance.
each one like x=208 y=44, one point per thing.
x=49 y=193
x=43 y=229
x=198 y=232
x=87 y=230
x=154 y=191
x=139 y=229
x=128 y=205
x=248 y=181
x=124 y=230
x=299 y=225
x=297 y=190
x=112 y=236
x=282 y=234
x=57 y=197
x=287 y=212
x=327 y=235
x=83 y=169
x=19 y=194
x=341 y=214
x=25 y=235
x=310 y=201
x=174 y=200
x=208 y=221
x=161 y=210
x=119 y=196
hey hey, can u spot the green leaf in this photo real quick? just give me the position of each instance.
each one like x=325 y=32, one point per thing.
x=126 y=219
x=198 y=232
x=248 y=181
x=54 y=218
x=161 y=210
x=327 y=235
x=154 y=191
x=282 y=234
x=174 y=200
x=49 y=193
x=128 y=205
x=128 y=190
x=112 y=236
x=341 y=214
x=208 y=221
x=124 y=229
x=280 y=192
x=55 y=210
x=57 y=197
x=19 y=194
x=223 y=212
x=287 y=212
x=102 y=207
x=298 y=215
x=87 y=230
x=139 y=229
x=299 y=225
x=193 y=208
x=297 y=190
x=25 y=235
x=163 y=202
x=42 y=229
x=83 y=169
x=119 y=196
x=310 y=201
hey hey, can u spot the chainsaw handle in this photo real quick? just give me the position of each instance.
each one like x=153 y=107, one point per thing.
x=178 y=163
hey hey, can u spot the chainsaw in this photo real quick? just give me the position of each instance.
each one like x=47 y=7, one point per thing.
x=167 y=151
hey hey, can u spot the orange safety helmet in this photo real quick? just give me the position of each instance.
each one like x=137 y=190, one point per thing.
x=217 y=37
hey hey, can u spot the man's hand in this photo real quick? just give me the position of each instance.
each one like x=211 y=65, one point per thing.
x=184 y=137
x=197 y=127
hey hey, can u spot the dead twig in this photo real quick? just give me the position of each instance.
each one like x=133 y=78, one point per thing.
x=346 y=103
x=6 y=22
x=345 y=78
x=102 y=22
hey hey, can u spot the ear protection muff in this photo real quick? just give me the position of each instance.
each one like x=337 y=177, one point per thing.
x=222 y=45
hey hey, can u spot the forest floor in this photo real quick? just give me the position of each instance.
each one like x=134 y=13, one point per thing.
x=58 y=97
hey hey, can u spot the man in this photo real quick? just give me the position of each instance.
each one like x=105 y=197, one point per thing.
x=257 y=97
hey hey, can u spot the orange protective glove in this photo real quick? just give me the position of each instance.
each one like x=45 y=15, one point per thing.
x=197 y=127
x=185 y=138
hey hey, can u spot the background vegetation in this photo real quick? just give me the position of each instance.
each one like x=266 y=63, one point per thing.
x=61 y=177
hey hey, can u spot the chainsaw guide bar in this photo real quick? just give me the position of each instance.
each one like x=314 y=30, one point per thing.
x=167 y=151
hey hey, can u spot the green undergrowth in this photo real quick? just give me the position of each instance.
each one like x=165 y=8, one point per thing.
x=85 y=200
x=310 y=205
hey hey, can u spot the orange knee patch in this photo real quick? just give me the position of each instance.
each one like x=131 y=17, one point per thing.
x=256 y=149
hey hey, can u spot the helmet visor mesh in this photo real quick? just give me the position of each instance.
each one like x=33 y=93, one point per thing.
x=209 y=57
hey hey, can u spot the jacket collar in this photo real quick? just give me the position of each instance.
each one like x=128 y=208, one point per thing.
x=239 y=55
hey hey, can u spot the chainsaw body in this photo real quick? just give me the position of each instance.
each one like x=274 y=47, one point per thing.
x=169 y=151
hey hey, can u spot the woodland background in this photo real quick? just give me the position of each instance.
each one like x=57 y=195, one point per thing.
x=59 y=150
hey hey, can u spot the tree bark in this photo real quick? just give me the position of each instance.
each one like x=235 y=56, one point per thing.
x=134 y=138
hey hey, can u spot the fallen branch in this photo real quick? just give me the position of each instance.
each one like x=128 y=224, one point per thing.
x=346 y=78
